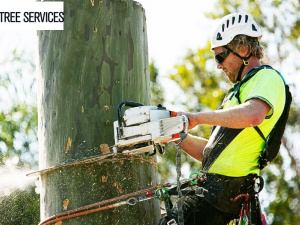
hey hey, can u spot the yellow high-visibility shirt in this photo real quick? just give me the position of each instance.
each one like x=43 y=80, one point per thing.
x=241 y=156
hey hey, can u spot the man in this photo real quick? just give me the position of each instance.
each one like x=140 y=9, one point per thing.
x=230 y=157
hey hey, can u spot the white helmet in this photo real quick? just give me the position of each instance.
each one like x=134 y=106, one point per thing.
x=232 y=25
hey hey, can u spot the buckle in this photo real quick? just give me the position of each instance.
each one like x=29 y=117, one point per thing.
x=172 y=222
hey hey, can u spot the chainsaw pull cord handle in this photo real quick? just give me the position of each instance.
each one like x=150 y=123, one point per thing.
x=125 y=103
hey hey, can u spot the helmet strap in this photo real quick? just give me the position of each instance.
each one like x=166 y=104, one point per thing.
x=245 y=62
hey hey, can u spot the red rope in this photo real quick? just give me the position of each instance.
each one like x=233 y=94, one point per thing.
x=84 y=210
x=61 y=218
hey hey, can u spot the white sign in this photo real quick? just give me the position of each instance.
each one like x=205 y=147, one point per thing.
x=32 y=16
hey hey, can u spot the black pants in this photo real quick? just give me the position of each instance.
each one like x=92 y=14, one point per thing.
x=198 y=212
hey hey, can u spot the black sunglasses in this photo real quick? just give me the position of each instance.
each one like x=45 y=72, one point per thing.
x=222 y=56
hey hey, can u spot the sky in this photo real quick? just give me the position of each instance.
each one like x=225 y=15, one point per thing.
x=173 y=27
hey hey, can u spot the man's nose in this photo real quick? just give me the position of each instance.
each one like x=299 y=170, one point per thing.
x=219 y=65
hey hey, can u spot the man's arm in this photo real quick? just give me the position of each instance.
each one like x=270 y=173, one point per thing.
x=249 y=114
x=194 y=146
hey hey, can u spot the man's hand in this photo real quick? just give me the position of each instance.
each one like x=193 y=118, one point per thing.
x=192 y=119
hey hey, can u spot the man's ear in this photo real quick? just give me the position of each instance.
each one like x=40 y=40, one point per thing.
x=243 y=51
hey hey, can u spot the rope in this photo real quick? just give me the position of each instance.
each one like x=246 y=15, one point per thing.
x=178 y=170
x=183 y=135
x=84 y=210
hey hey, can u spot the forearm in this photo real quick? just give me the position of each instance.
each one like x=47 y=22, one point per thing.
x=236 y=118
x=194 y=146
x=251 y=113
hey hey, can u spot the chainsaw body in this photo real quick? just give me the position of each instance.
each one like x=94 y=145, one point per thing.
x=146 y=129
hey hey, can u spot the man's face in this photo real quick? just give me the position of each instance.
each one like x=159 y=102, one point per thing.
x=230 y=66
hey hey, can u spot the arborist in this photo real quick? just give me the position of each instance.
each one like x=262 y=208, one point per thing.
x=231 y=156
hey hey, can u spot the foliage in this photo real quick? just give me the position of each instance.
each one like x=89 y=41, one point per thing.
x=200 y=82
x=157 y=94
x=20 y=207
x=18 y=135
x=18 y=111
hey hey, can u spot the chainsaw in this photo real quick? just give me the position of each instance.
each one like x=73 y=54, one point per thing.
x=146 y=129
x=142 y=129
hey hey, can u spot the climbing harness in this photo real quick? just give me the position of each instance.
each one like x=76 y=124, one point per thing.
x=250 y=211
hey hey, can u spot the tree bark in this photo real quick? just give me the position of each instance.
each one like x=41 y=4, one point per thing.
x=84 y=72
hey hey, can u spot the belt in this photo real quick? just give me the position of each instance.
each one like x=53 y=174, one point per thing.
x=223 y=189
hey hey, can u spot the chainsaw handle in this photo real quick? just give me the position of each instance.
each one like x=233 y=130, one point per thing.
x=125 y=103
x=130 y=103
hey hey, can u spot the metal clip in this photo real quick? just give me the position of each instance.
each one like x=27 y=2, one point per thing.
x=246 y=62
x=132 y=201
x=172 y=222
x=200 y=192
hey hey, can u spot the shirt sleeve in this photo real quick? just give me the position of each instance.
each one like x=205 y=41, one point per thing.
x=268 y=86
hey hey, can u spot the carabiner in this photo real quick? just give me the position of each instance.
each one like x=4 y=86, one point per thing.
x=162 y=193
x=191 y=177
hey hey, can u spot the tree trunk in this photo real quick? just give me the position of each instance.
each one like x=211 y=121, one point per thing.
x=84 y=72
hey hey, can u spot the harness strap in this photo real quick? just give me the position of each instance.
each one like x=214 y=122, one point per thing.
x=221 y=137
x=237 y=87
x=245 y=62
x=258 y=130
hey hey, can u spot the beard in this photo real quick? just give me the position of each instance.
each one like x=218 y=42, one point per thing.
x=232 y=77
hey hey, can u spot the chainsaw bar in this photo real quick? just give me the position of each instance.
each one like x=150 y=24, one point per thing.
x=86 y=160
x=93 y=159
